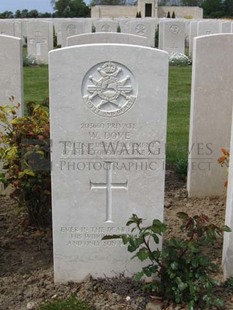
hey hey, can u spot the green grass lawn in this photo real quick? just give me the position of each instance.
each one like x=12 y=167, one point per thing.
x=178 y=112
x=36 y=89
x=36 y=83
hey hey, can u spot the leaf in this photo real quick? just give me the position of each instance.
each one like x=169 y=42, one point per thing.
x=109 y=237
x=139 y=275
x=182 y=286
x=155 y=238
x=143 y=254
x=174 y=265
x=226 y=228
x=182 y=215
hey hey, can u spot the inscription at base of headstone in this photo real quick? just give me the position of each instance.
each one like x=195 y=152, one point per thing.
x=108 y=130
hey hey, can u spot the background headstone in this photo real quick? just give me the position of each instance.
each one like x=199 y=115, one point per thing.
x=192 y=35
x=210 y=118
x=115 y=113
x=106 y=26
x=11 y=75
x=226 y=27
x=227 y=258
x=144 y=28
x=74 y=27
x=106 y=37
x=7 y=28
x=172 y=36
x=39 y=40
x=208 y=27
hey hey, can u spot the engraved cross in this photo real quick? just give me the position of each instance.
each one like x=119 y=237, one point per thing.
x=109 y=186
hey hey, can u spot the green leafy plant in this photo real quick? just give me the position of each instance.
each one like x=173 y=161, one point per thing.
x=25 y=152
x=29 y=61
x=70 y=303
x=157 y=37
x=228 y=285
x=180 y=272
x=181 y=167
x=179 y=59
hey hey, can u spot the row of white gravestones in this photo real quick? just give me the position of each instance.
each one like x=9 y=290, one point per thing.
x=39 y=40
x=11 y=28
x=200 y=28
x=108 y=126
x=211 y=109
x=107 y=37
x=11 y=76
x=75 y=27
x=172 y=36
x=143 y=28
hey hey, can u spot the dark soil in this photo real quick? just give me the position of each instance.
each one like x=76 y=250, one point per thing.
x=26 y=272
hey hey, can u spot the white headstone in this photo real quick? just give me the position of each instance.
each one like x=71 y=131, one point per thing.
x=211 y=107
x=192 y=35
x=161 y=33
x=106 y=26
x=7 y=28
x=74 y=27
x=226 y=27
x=18 y=29
x=108 y=127
x=173 y=36
x=227 y=257
x=11 y=75
x=57 y=26
x=107 y=37
x=39 y=40
x=124 y=24
x=187 y=32
x=208 y=27
x=144 y=28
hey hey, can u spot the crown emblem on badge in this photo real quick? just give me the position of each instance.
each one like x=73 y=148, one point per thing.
x=109 y=67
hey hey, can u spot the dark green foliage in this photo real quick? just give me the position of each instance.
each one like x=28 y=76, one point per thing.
x=228 y=8
x=118 y=28
x=228 y=285
x=181 y=271
x=54 y=37
x=7 y=14
x=25 y=151
x=29 y=61
x=191 y=2
x=157 y=37
x=181 y=167
x=70 y=303
x=27 y=14
x=168 y=15
x=173 y=15
x=139 y=14
x=71 y=8
x=107 y=2
x=213 y=8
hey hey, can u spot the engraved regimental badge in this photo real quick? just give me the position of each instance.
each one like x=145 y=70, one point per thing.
x=109 y=89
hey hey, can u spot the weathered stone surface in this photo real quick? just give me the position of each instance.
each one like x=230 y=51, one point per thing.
x=106 y=37
x=40 y=40
x=210 y=119
x=108 y=127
